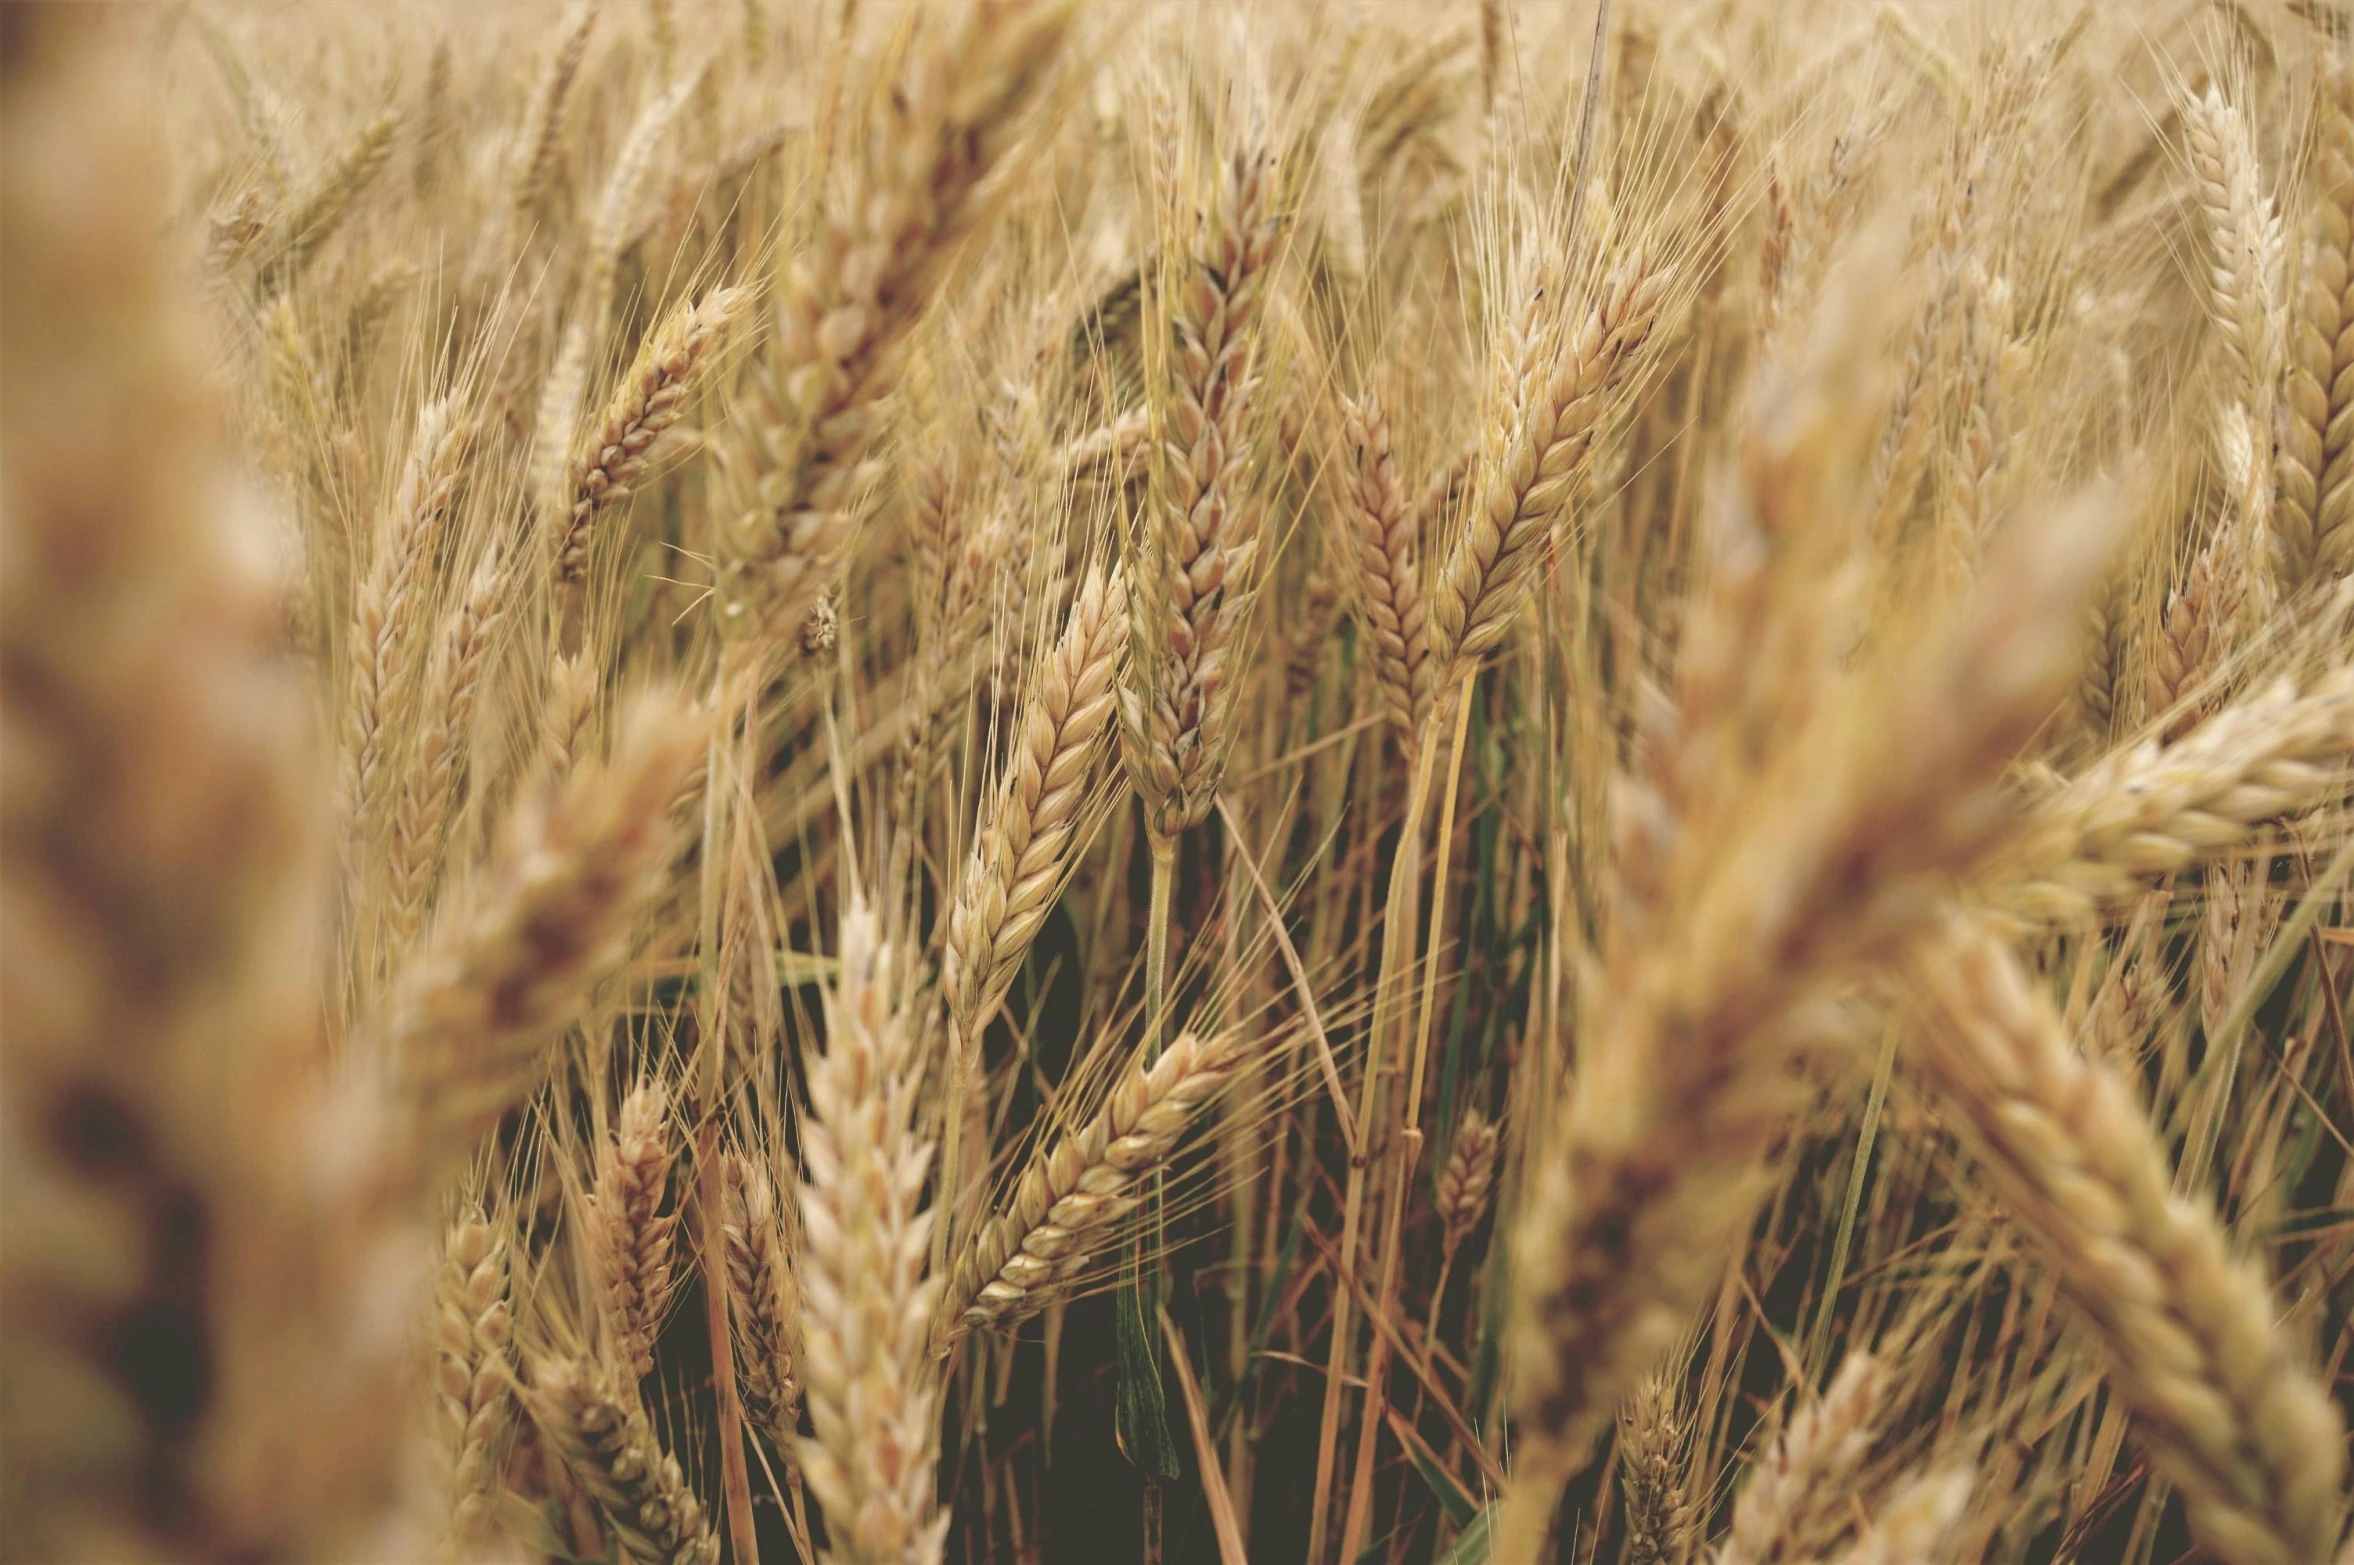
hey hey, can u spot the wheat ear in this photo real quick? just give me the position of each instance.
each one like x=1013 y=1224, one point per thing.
x=567 y=707
x=429 y=147
x=957 y=564
x=2229 y=1412
x=475 y=1373
x=1467 y=1178
x=539 y=142
x=2244 y=301
x=1653 y=1437
x=314 y=219
x=1917 y=1524
x=2101 y=688
x=1555 y=403
x=185 y=1338
x=597 y=1428
x=510 y=964
x=388 y=606
x=1655 y=1160
x=1798 y=1496
x=764 y=1302
x=851 y=298
x=1194 y=552
x=1035 y=827
x=2151 y=809
x=429 y=786
x=2244 y=234
x=1033 y=831
x=628 y=1232
x=1110 y=453
x=1382 y=543
x=2313 y=522
x=866 y=1303
x=2184 y=647
x=648 y=401
x=625 y=185
x=1067 y=1198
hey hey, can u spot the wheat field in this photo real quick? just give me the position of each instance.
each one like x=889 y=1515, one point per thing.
x=1343 y=782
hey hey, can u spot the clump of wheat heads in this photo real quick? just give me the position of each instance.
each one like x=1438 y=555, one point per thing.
x=563 y=740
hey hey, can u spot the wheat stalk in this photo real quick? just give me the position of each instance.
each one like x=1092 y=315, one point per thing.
x=1655 y=1158
x=361 y=938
